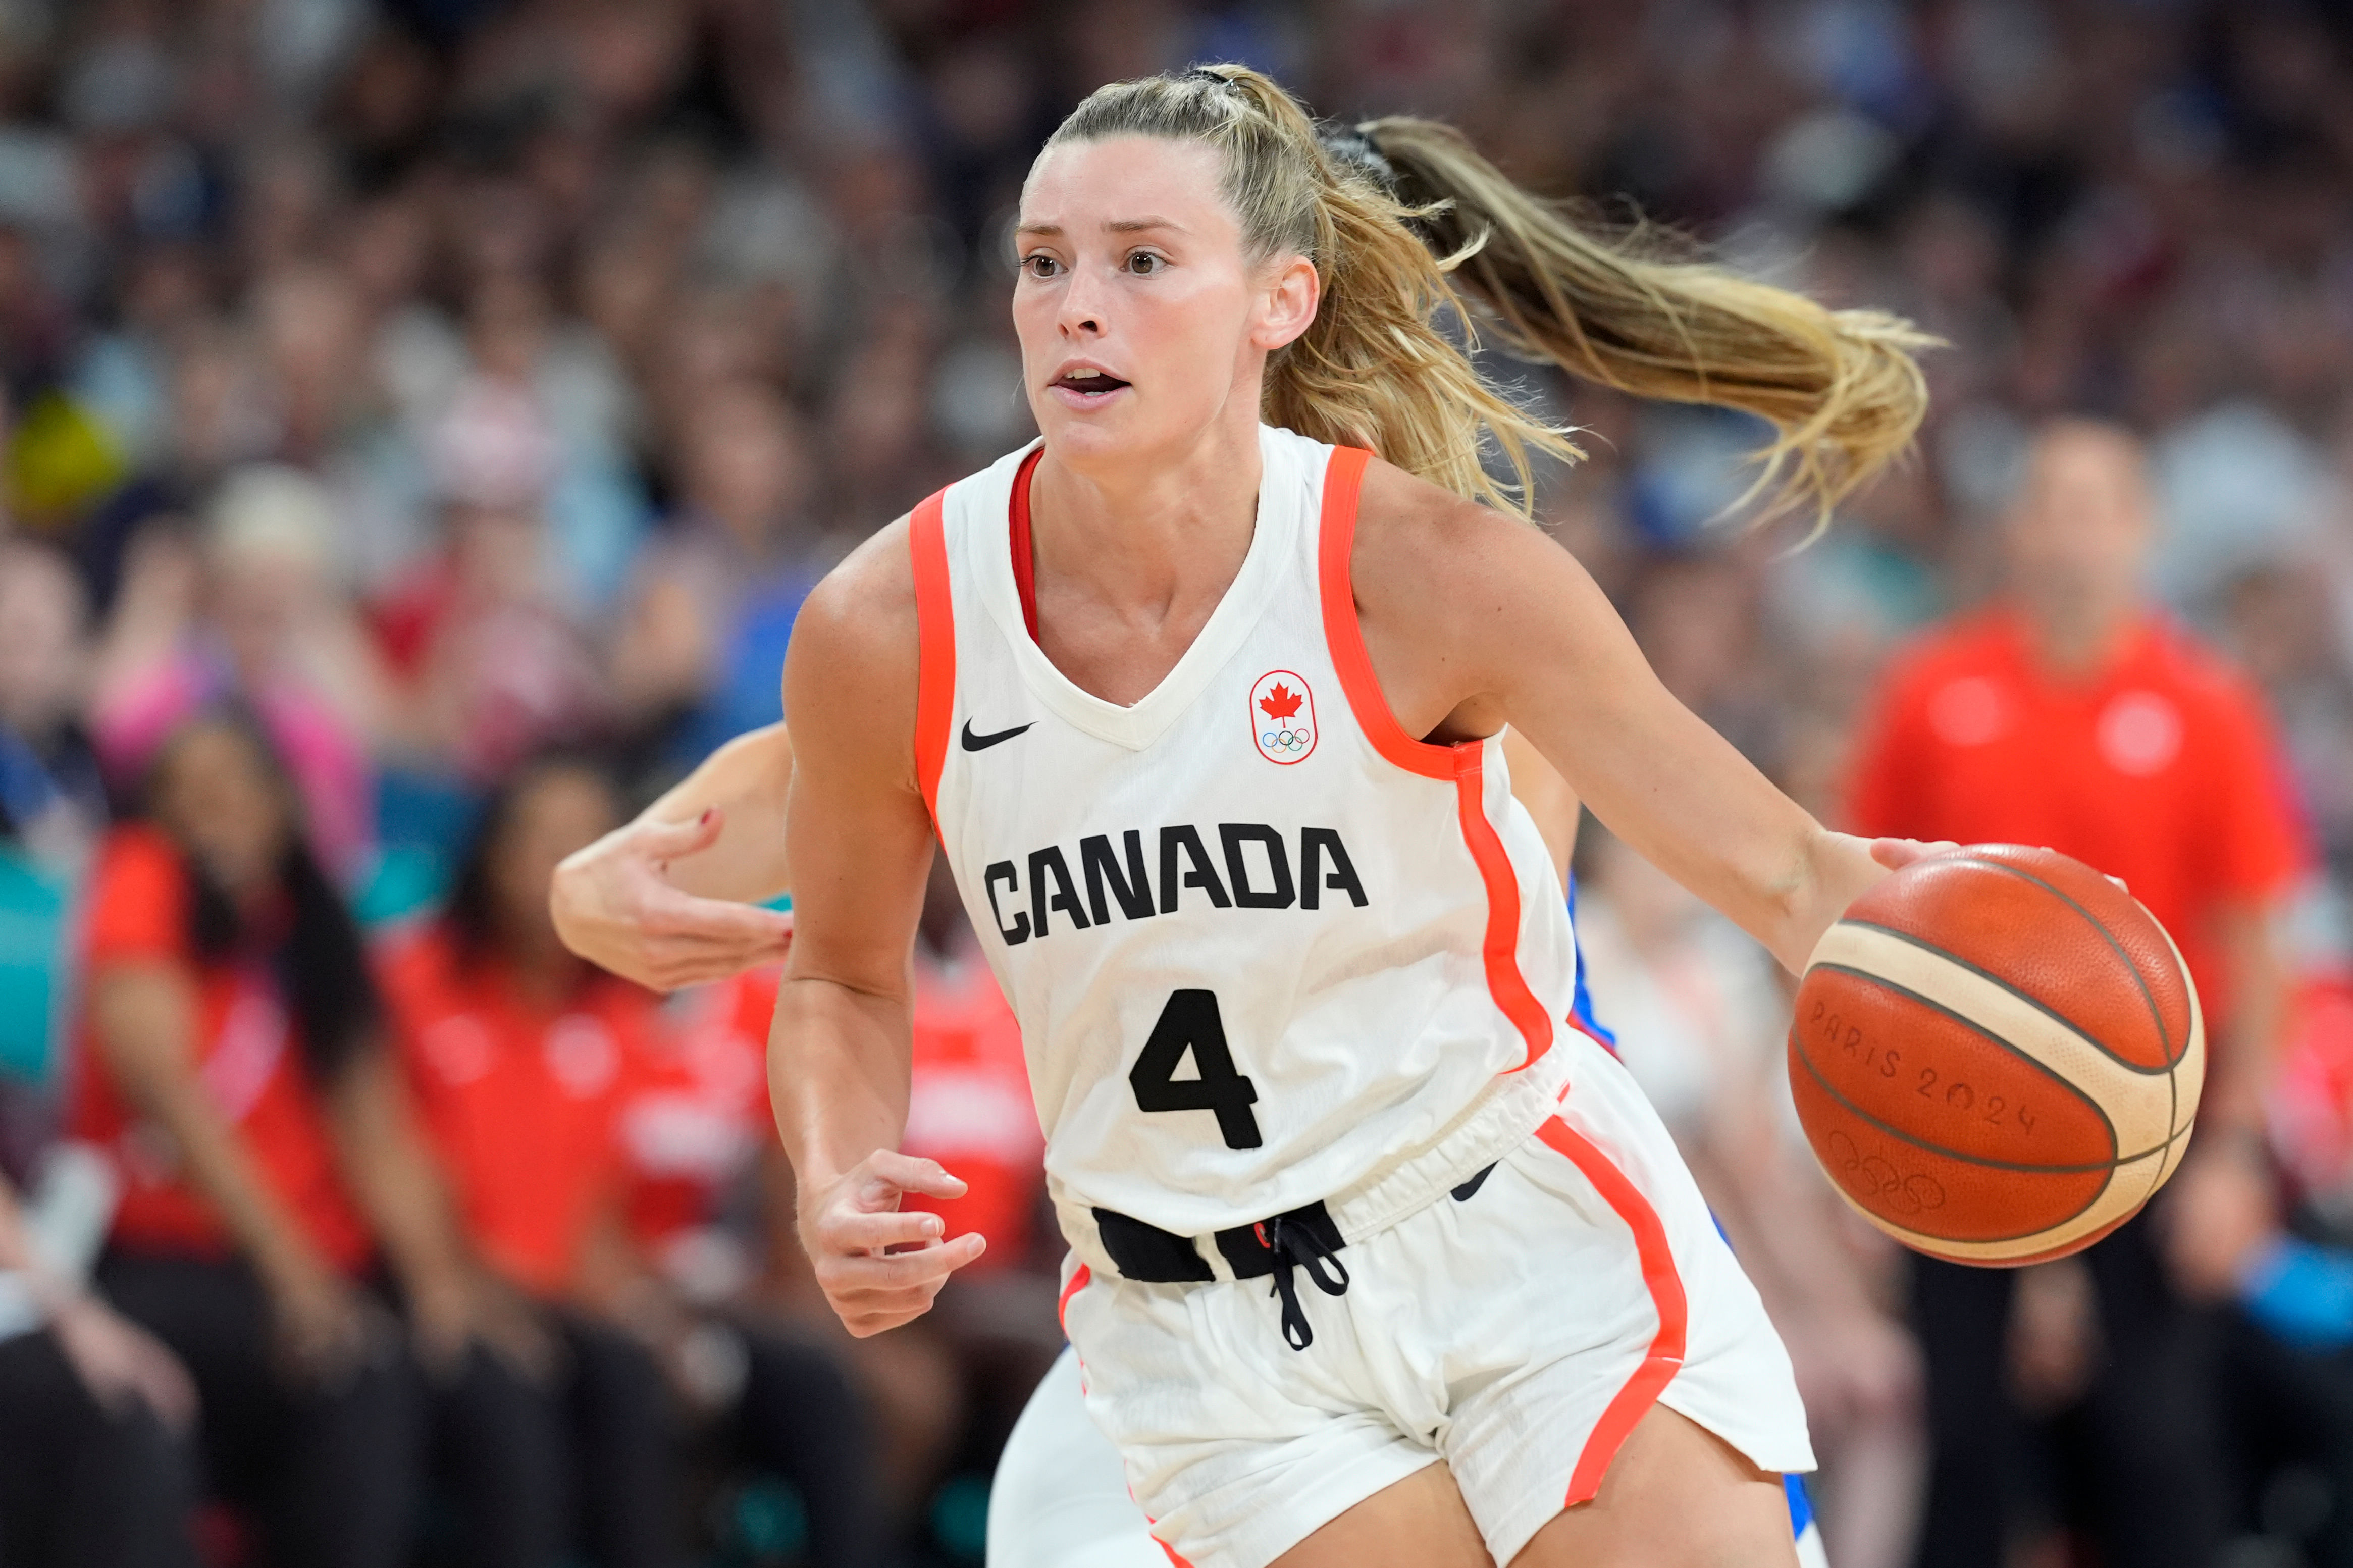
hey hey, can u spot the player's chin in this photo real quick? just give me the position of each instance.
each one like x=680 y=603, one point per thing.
x=1082 y=432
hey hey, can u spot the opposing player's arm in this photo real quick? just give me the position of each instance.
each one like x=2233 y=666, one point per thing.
x=1475 y=620
x=860 y=840
x=664 y=901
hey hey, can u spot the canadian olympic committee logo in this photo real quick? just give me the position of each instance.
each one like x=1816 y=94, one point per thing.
x=1283 y=717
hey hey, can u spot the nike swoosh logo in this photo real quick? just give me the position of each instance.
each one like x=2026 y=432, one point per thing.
x=973 y=742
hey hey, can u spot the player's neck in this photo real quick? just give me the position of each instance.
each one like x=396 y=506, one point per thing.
x=1151 y=535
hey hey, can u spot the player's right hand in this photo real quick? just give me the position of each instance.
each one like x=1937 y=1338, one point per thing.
x=615 y=905
x=879 y=1267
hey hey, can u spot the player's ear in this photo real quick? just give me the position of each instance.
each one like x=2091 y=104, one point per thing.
x=1288 y=306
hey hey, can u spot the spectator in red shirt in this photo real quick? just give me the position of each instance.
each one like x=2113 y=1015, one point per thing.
x=524 y=1057
x=699 y=1147
x=230 y=1065
x=2071 y=714
x=516 y=1053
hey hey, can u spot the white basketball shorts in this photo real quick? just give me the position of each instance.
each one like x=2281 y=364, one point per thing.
x=1517 y=1331
x=1060 y=1500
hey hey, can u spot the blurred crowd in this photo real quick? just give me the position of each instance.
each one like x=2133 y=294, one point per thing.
x=419 y=423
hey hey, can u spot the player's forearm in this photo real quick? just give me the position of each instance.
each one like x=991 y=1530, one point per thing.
x=746 y=779
x=838 y=1068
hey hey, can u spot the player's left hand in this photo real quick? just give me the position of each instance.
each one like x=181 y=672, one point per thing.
x=880 y=1267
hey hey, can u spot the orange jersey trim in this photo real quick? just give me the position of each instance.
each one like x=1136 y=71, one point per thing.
x=1080 y=1278
x=1343 y=481
x=1463 y=764
x=927 y=544
x=1500 y=949
x=1665 y=1357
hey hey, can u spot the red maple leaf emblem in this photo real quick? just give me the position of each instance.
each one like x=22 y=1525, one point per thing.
x=1280 y=703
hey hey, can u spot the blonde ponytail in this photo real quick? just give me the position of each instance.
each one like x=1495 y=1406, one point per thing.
x=1403 y=218
x=1840 y=388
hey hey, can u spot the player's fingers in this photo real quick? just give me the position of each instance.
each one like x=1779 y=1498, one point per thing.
x=1897 y=853
x=673 y=841
x=673 y=915
x=866 y=1325
x=673 y=963
x=845 y=1275
x=685 y=940
x=889 y=1172
x=866 y=1230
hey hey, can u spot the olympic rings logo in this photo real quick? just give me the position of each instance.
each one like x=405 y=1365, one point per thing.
x=1295 y=742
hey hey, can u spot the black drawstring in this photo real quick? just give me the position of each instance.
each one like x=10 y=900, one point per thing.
x=1298 y=1246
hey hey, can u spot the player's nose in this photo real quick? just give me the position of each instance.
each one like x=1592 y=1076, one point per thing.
x=1082 y=306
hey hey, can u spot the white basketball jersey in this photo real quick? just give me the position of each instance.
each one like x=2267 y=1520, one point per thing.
x=1258 y=938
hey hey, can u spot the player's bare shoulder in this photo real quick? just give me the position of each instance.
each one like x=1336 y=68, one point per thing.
x=1414 y=538
x=849 y=673
x=1447 y=590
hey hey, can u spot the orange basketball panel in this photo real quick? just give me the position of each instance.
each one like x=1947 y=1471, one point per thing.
x=1934 y=1194
x=2122 y=917
x=1935 y=1079
x=2035 y=941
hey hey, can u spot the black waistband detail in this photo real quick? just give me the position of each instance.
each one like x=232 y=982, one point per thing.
x=1144 y=1252
x=1469 y=1189
x=1149 y=1253
x=1296 y=1238
x=1252 y=1249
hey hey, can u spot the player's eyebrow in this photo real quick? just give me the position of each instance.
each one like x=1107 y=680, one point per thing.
x=1117 y=226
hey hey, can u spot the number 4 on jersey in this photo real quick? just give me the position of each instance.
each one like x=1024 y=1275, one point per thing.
x=1190 y=1022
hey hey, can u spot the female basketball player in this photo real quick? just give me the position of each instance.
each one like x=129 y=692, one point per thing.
x=1288 y=973
x=663 y=900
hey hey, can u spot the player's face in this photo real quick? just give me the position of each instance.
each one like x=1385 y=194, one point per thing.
x=1143 y=321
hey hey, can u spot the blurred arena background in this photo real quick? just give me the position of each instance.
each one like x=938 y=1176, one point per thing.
x=457 y=384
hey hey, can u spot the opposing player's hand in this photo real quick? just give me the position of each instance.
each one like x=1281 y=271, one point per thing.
x=878 y=1266
x=615 y=905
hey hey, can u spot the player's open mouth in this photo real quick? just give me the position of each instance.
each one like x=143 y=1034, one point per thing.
x=1086 y=385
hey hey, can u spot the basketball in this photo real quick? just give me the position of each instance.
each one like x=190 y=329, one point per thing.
x=1996 y=1054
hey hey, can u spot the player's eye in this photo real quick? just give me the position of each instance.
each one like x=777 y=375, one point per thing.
x=1145 y=263
x=1041 y=265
